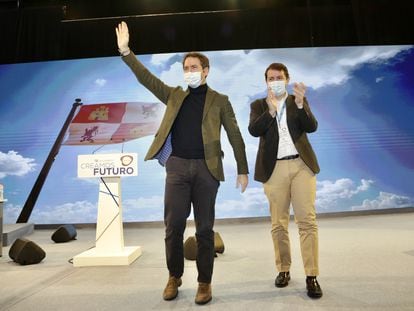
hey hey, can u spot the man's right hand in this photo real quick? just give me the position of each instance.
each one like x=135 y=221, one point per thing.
x=271 y=103
x=122 y=36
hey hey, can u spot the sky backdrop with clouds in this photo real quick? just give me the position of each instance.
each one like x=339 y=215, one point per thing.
x=361 y=96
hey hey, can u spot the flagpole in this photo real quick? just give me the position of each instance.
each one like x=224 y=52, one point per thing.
x=37 y=187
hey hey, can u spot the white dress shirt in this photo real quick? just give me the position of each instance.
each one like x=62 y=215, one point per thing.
x=286 y=146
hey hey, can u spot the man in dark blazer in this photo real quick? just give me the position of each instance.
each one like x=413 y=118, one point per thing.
x=188 y=144
x=286 y=165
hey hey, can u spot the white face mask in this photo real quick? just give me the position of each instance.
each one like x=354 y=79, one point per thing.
x=193 y=79
x=278 y=87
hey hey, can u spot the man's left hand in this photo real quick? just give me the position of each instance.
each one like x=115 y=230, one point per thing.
x=242 y=181
x=299 y=90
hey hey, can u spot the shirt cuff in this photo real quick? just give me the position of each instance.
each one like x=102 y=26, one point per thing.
x=124 y=52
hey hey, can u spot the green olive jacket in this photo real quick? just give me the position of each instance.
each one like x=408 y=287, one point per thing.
x=217 y=112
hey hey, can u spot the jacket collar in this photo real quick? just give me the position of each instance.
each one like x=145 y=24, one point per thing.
x=209 y=101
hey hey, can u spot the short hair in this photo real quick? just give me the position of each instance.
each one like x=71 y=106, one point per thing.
x=203 y=59
x=279 y=67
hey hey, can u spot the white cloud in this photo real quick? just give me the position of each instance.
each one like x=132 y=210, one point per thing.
x=77 y=212
x=353 y=56
x=328 y=193
x=251 y=153
x=160 y=59
x=319 y=67
x=174 y=76
x=100 y=82
x=385 y=200
x=144 y=209
x=10 y=213
x=379 y=79
x=86 y=181
x=252 y=202
x=12 y=163
x=240 y=75
x=237 y=75
x=229 y=162
x=141 y=209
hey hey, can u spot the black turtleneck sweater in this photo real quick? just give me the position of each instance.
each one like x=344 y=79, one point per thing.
x=187 y=140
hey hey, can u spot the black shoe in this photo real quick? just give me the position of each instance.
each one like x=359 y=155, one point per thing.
x=282 y=279
x=312 y=285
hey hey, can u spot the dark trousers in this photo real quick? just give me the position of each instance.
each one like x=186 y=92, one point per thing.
x=189 y=182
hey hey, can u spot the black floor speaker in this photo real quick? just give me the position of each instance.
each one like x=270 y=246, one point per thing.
x=64 y=233
x=26 y=252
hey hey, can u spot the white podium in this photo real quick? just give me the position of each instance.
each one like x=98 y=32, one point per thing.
x=109 y=249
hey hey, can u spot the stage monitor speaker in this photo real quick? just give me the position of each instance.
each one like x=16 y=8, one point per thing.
x=26 y=252
x=218 y=243
x=64 y=233
x=190 y=246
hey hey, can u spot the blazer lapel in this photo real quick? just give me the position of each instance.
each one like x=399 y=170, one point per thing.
x=265 y=107
x=208 y=103
x=274 y=125
x=172 y=112
x=289 y=108
x=289 y=113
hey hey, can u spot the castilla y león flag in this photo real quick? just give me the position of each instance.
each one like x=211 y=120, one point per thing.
x=111 y=123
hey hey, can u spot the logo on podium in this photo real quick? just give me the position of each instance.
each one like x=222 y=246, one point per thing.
x=108 y=165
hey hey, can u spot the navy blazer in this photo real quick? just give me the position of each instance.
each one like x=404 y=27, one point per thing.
x=263 y=125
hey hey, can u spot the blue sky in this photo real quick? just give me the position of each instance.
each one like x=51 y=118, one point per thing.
x=361 y=96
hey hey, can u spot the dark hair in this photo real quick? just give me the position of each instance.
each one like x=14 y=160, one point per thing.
x=203 y=59
x=279 y=67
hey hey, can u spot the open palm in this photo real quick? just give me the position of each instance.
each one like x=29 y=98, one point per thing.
x=299 y=90
x=122 y=36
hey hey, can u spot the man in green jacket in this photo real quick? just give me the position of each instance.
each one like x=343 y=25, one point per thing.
x=188 y=144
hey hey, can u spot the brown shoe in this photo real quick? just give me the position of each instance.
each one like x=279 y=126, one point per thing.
x=203 y=295
x=171 y=290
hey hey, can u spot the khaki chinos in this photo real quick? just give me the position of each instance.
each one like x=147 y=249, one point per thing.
x=293 y=181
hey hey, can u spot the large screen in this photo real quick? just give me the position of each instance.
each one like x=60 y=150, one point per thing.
x=361 y=96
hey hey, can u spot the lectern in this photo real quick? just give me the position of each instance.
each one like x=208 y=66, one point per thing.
x=110 y=249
